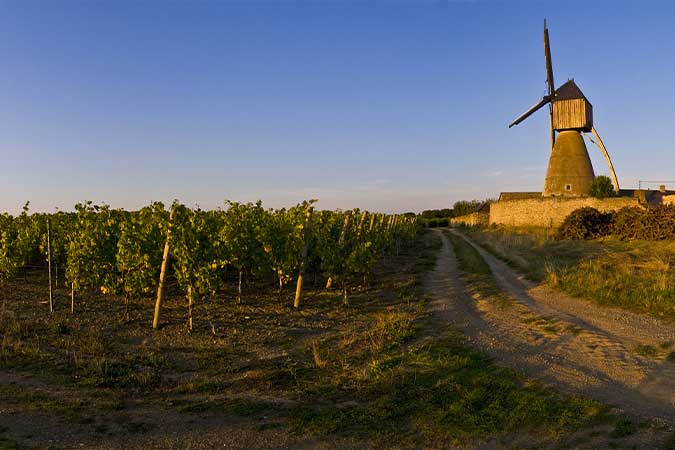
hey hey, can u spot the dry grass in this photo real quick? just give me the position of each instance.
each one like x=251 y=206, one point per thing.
x=636 y=275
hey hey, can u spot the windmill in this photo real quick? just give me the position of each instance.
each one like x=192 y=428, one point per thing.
x=570 y=172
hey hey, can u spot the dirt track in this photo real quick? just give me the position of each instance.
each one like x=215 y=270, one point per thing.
x=572 y=344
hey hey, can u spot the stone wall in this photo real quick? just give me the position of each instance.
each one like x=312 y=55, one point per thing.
x=481 y=218
x=549 y=211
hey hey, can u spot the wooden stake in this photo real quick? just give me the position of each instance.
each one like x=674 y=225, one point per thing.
x=372 y=222
x=189 y=296
x=241 y=271
x=162 y=273
x=49 y=264
x=303 y=258
x=363 y=219
x=72 y=298
x=345 y=225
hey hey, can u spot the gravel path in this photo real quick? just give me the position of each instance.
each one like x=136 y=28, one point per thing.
x=575 y=345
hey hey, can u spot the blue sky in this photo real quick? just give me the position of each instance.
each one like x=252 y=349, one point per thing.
x=386 y=105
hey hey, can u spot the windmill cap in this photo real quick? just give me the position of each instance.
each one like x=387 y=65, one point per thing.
x=569 y=91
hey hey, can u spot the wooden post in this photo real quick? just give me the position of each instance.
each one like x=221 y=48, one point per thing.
x=345 y=225
x=241 y=271
x=49 y=264
x=363 y=219
x=303 y=258
x=189 y=296
x=372 y=223
x=162 y=273
x=72 y=298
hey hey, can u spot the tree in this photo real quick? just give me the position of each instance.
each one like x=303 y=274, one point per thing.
x=602 y=187
x=464 y=207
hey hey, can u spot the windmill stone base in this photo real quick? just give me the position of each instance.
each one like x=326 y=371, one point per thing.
x=570 y=172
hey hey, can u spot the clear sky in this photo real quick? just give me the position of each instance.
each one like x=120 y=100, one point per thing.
x=386 y=105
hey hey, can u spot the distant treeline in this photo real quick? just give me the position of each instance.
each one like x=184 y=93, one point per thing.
x=440 y=217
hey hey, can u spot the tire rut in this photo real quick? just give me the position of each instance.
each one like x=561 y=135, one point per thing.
x=572 y=344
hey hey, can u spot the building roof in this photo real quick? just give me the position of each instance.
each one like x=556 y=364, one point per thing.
x=569 y=91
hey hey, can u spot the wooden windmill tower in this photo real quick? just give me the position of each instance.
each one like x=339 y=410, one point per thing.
x=570 y=172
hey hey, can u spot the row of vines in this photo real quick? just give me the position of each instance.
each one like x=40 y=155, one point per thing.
x=131 y=254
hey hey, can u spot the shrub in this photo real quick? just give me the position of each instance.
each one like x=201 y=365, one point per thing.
x=625 y=220
x=602 y=187
x=655 y=223
x=585 y=223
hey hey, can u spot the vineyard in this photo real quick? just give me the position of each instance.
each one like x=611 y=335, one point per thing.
x=136 y=254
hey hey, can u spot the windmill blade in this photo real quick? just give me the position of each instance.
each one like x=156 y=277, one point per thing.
x=603 y=149
x=531 y=111
x=549 y=82
x=549 y=63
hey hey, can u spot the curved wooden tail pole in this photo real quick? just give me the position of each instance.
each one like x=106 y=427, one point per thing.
x=601 y=146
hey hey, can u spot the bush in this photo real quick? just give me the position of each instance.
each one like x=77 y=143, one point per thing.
x=625 y=221
x=602 y=187
x=655 y=223
x=585 y=223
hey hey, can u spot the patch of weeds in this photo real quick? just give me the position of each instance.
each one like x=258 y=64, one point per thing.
x=237 y=407
x=426 y=258
x=270 y=426
x=137 y=427
x=215 y=359
x=669 y=443
x=671 y=357
x=379 y=368
x=116 y=404
x=8 y=444
x=59 y=327
x=444 y=389
x=390 y=330
x=113 y=373
x=247 y=408
x=573 y=329
x=623 y=428
x=32 y=400
x=666 y=345
x=204 y=406
x=547 y=324
x=469 y=259
x=551 y=329
x=203 y=387
x=477 y=272
x=648 y=351
x=319 y=360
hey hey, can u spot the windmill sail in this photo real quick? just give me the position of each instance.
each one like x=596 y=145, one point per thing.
x=549 y=81
x=531 y=111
